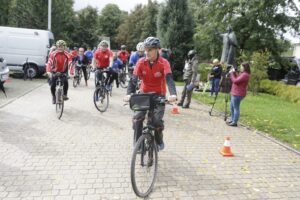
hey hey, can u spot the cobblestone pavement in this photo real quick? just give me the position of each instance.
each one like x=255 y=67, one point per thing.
x=86 y=155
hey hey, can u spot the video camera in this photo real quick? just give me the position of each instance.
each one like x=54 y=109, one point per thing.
x=229 y=67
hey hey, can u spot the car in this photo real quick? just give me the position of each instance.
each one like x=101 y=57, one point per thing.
x=293 y=75
x=4 y=71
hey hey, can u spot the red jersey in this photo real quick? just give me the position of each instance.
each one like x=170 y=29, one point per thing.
x=59 y=62
x=102 y=58
x=153 y=79
x=74 y=53
x=123 y=56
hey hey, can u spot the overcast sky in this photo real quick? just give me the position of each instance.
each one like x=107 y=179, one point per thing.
x=123 y=4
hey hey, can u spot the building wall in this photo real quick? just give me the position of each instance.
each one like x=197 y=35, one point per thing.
x=296 y=52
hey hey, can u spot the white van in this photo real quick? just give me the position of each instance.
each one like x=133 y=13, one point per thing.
x=19 y=44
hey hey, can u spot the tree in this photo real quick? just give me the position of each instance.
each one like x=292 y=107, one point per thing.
x=150 y=20
x=85 y=33
x=260 y=62
x=5 y=10
x=109 y=20
x=175 y=29
x=129 y=32
x=257 y=24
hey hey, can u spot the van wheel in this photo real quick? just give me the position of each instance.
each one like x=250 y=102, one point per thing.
x=31 y=71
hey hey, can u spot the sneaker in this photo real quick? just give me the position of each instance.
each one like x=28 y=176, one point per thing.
x=186 y=106
x=161 y=146
x=65 y=97
x=53 y=100
x=179 y=104
x=232 y=124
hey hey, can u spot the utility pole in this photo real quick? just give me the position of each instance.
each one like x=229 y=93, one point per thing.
x=49 y=14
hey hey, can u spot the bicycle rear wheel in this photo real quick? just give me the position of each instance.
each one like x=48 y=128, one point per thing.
x=144 y=165
x=59 y=103
x=101 y=99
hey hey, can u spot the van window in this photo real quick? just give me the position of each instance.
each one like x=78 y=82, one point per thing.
x=51 y=42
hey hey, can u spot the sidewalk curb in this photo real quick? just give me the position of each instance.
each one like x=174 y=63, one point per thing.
x=25 y=93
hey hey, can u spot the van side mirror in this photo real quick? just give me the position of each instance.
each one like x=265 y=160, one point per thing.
x=1 y=59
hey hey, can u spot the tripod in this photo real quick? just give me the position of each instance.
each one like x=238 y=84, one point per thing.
x=227 y=90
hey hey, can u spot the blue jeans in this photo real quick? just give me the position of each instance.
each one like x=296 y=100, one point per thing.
x=215 y=82
x=235 y=102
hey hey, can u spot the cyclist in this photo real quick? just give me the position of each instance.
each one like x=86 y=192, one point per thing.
x=114 y=70
x=123 y=55
x=84 y=61
x=59 y=61
x=103 y=58
x=89 y=54
x=136 y=56
x=155 y=72
x=74 y=53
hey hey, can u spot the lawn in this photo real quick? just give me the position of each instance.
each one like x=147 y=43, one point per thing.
x=266 y=113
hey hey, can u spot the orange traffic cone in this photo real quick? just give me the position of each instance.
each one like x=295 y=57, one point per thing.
x=226 y=150
x=175 y=109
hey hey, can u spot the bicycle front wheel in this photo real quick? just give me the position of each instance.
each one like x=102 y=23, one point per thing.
x=59 y=103
x=75 y=81
x=123 y=80
x=101 y=99
x=144 y=165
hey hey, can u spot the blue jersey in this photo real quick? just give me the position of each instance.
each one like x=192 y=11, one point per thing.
x=89 y=55
x=117 y=64
x=134 y=58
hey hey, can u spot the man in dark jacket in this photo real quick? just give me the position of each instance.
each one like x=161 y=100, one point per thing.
x=82 y=61
x=189 y=77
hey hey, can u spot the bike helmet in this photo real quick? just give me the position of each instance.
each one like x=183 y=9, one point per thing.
x=152 y=42
x=103 y=43
x=123 y=46
x=140 y=46
x=61 y=43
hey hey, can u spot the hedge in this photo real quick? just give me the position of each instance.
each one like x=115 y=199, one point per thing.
x=287 y=92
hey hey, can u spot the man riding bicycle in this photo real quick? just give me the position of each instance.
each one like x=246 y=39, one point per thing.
x=103 y=58
x=155 y=72
x=136 y=56
x=59 y=61
x=123 y=55
x=82 y=60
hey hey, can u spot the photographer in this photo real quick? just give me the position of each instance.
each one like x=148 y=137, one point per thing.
x=238 y=90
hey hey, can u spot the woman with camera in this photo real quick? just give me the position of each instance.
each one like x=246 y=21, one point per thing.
x=238 y=91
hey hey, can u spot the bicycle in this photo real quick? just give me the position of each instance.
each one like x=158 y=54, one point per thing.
x=88 y=71
x=122 y=76
x=101 y=94
x=78 y=75
x=27 y=70
x=59 y=107
x=145 y=153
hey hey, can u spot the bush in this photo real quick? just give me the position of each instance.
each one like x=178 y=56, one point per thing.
x=204 y=70
x=288 y=92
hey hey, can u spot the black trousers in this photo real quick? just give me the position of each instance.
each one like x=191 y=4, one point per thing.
x=157 y=122
x=83 y=68
x=53 y=85
x=186 y=94
x=112 y=76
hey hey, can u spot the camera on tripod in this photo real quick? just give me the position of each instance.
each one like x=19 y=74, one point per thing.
x=229 y=67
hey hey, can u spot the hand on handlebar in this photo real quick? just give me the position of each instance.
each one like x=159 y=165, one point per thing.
x=126 y=98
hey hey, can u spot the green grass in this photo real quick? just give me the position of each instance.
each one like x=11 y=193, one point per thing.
x=266 y=113
x=178 y=83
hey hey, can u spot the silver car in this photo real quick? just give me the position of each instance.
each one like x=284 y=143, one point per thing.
x=4 y=71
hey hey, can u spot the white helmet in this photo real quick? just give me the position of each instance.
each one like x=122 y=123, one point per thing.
x=140 y=46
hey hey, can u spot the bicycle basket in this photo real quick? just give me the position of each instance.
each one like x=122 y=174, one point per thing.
x=141 y=102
